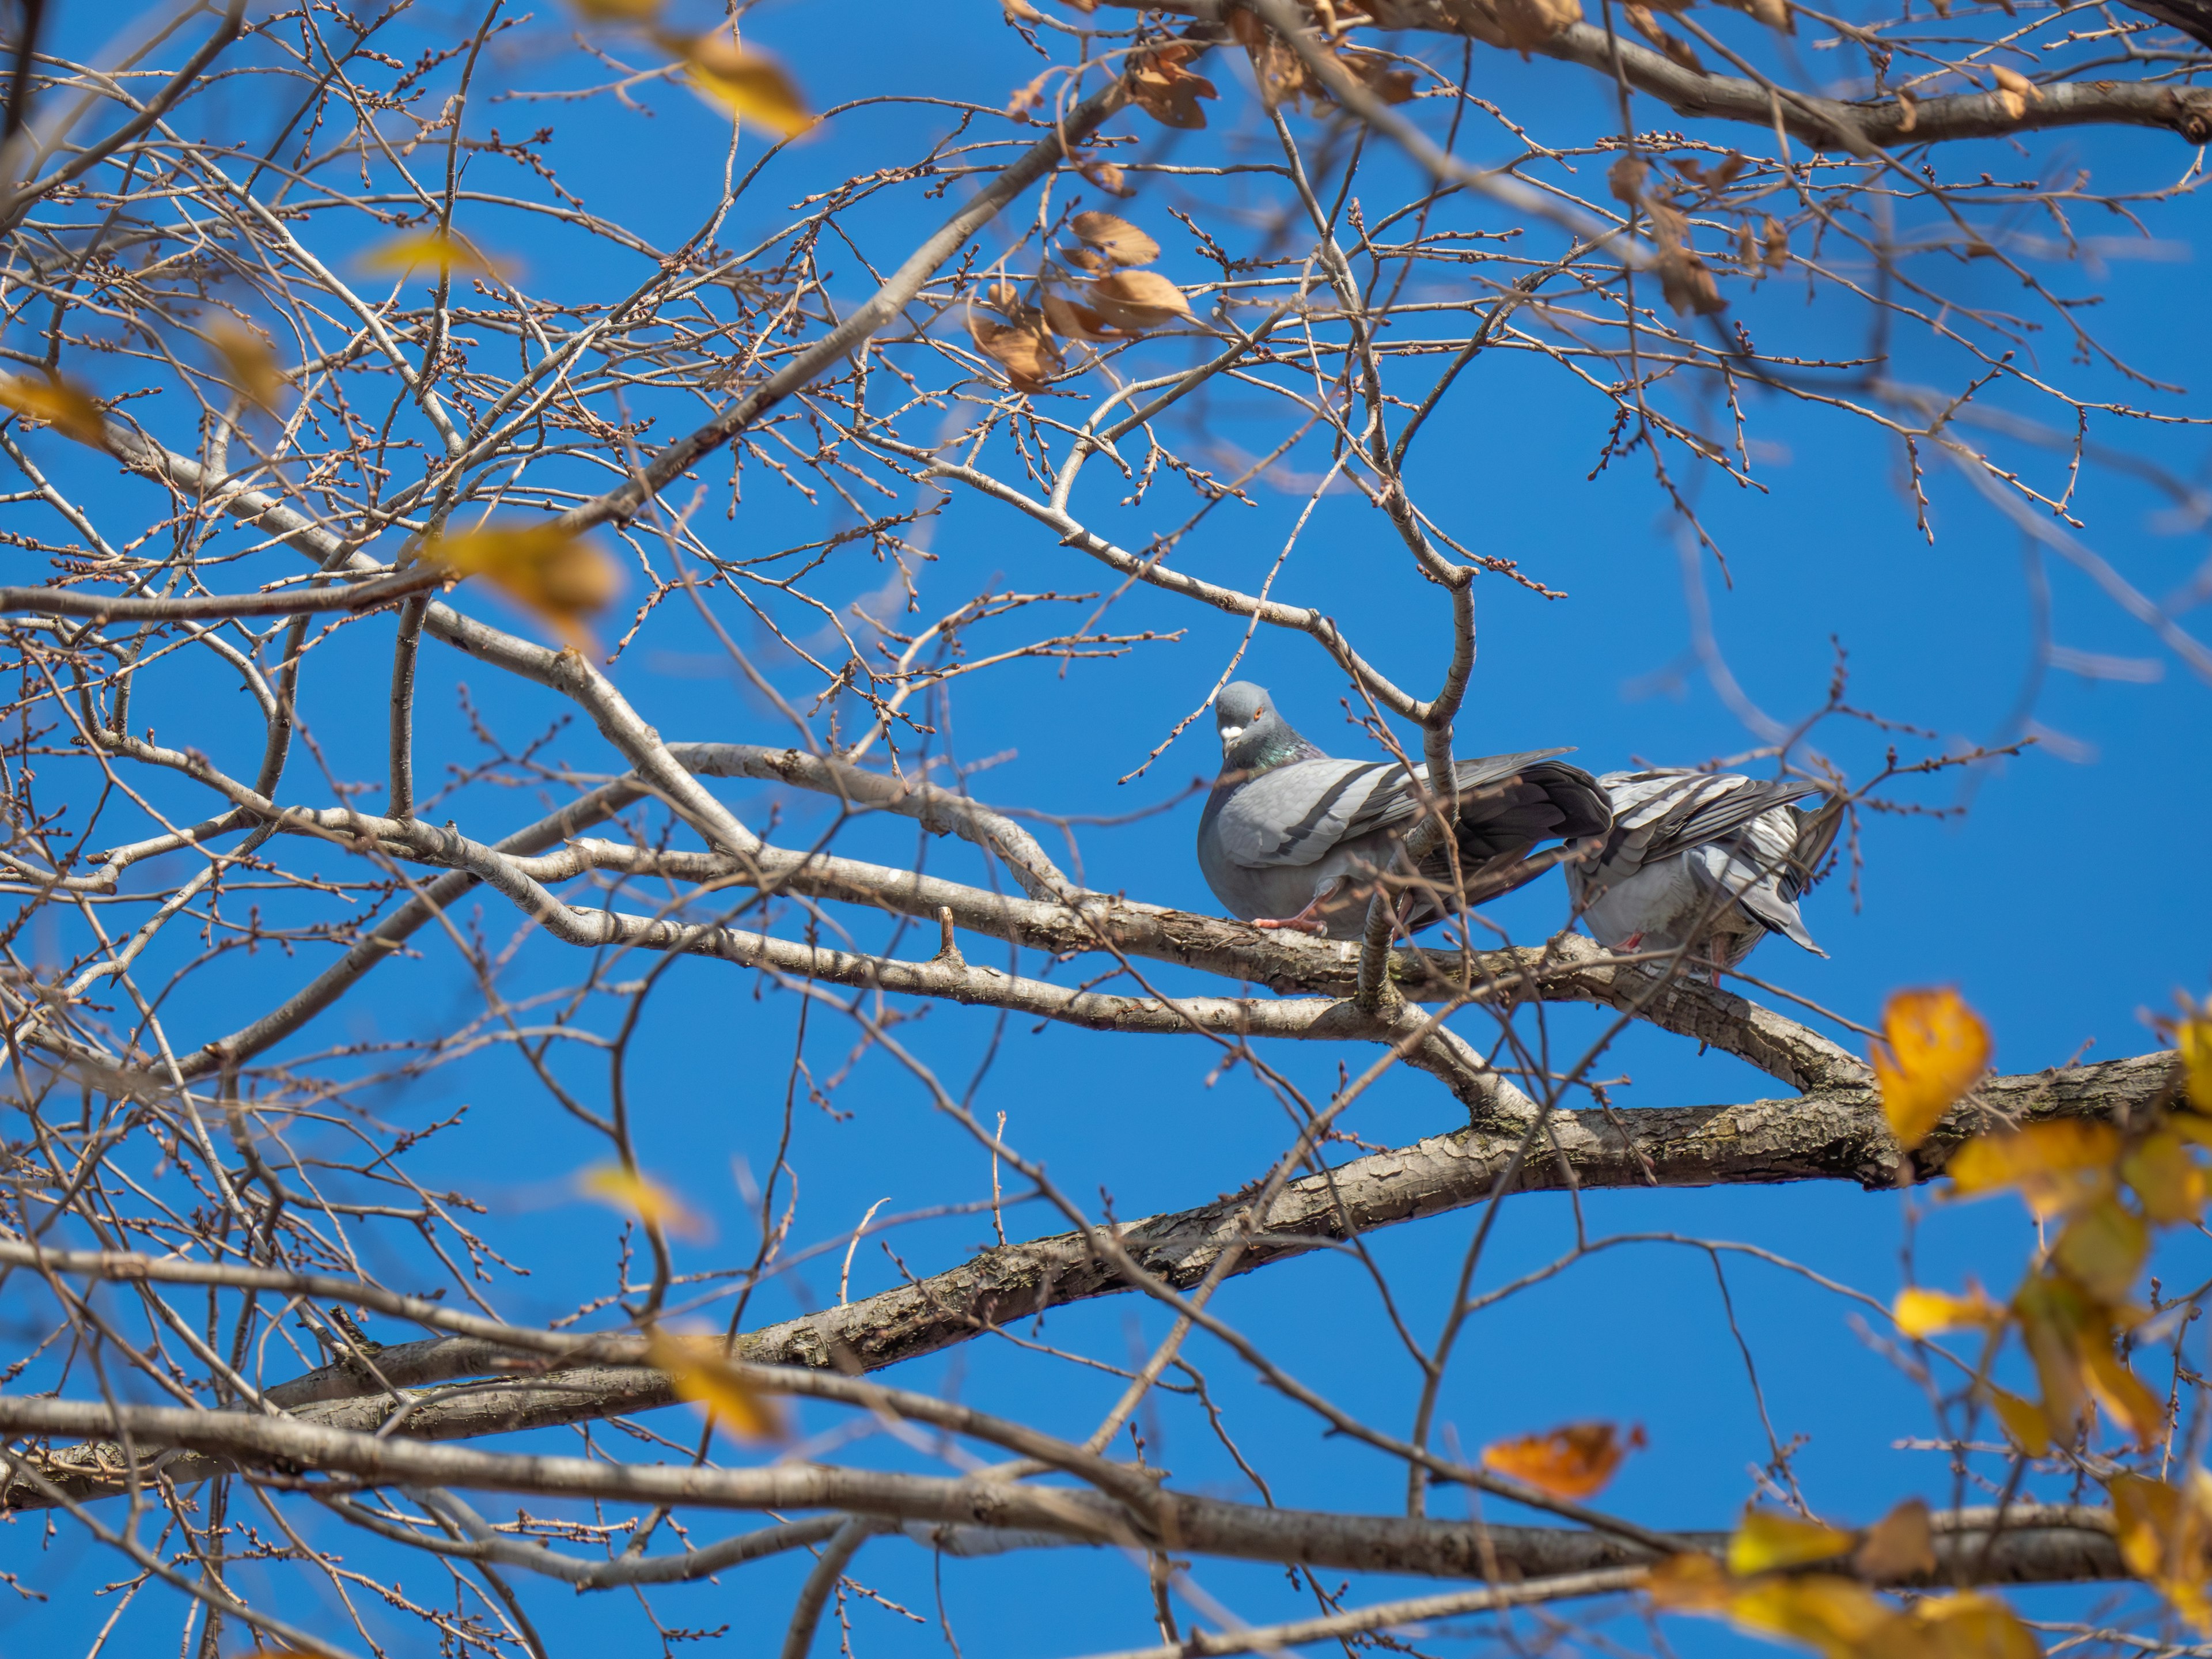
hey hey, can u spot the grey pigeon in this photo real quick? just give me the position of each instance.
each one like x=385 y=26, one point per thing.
x=1292 y=838
x=1710 y=860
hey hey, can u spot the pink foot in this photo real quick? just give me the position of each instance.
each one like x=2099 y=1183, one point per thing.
x=1629 y=943
x=1298 y=924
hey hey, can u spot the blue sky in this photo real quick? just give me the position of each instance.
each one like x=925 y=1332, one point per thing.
x=2068 y=899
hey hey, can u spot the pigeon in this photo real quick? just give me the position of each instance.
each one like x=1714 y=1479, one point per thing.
x=2192 y=17
x=1710 y=860
x=1292 y=838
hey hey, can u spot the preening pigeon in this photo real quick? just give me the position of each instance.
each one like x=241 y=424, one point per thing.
x=1292 y=838
x=1712 y=860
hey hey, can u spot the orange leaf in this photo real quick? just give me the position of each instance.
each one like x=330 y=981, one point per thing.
x=706 y=1379
x=1575 y=1460
x=1935 y=1048
x=1690 y=1582
x=61 y=403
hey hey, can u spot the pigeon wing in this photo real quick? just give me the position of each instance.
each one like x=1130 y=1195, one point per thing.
x=1297 y=814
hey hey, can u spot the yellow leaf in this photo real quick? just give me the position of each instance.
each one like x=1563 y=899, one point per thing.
x=653 y=1203
x=405 y=254
x=2192 y=1040
x=2103 y=1246
x=1935 y=1048
x=2058 y=1164
x=2122 y=1394
x=1572 y=1462
x=1690 y=1582
x=251 y=365
x=1925 y=1313
x=618 y=11
x=1838 y=1616
x=748 y=84
x=2069 y=1334
x=1899 y=1545
x=1116 y=238
x=706 y=1380
x=2167 y=1176
x=2165 y=1534
x=60 y=403
x=1969 y=1626
x=2023 y=1420
x=540 y=566
x=1768 y=1539
x=1138 y=299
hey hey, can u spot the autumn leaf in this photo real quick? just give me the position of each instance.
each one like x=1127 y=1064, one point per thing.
x=2165 y=1534
x=1381 y=75
x=2070 y=1336
x=1022 y=347
x=1120 y=242
x=748 y=84
x=1935 y=1046
x=1137 y=300
x=540 y=566
x=1767 y=1539
x=2023 y=1420
x=617 y=11
x=1575 y=1460
x=1926 y=1313
x=706 y=1380
x=1107 y=176
x=1692 y=1582
x=1072 y=321
x=1529 y=23
x=428 y=247
x=2103 y=1248
x=2057 y=1164
x=1160 y=86
x=2192 y=1044
x=2015 y=90
x=60 y=403
x=1838 y=1616
x=248 y=361
x=1969 y=1625
x=1278 y=71
x=1774 y=241
x=1899 y=1545
x=2165 y=1175
x=652 y=1203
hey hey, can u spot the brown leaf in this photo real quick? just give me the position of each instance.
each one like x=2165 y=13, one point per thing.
x=1020 y=11
x=1277 y=71
x=1382 y=76
x=1072 y=321
x=1023 y=349
x=1935 y=1046
x=1119 y=241
x=1775 y=14
x=617 y=11
x=748 y=84
x=1692 y=1582
x=1625 y=177
x=1575 y=1460
x=1107 y=176
x=60 y=403
x=1774 y=236
x=1137 y=300
x=1899 y=1545
x=2015 y=90
x=542 y=567
x=1529 y=23
x=1160 y=86
x=1908 y=115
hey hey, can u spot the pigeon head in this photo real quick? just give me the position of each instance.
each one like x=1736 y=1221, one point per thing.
x=1254 y=736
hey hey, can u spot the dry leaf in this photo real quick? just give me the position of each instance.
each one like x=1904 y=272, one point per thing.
x=1162 y=88
x=1774 y=237
x=705 y=1379
x=1625 y=177
x=1529 y=23
x=1767 y=1539
x=2058 y=1164
x=250 y=364
x=618 y=11
x=1925 y=1313
x=749 y=84
x=61 y=403
x=1899 y=1545
x=1277 y=69
x=1107 y=176
x=1382 y=76
x=2165 y=1538
x=1908 y=112
x=426 y=248
x=1935 y=1048
x=1137 y=300
x=1023 y=348
x=652 y=1203
x=1072 y=321
x=1775 y=14
x=1118 y=240
x=1969 y=1625
x=2015 y=90
x=1575 y=1460
x=541 y=568
x=1021 y=11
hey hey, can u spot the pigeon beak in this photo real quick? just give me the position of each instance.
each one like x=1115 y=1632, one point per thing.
x=1230 y=733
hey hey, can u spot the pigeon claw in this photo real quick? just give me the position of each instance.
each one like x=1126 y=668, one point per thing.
x=1298 y=924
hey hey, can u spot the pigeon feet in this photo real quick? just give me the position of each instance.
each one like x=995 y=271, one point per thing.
x=1304 y=922
x=1629 y=943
